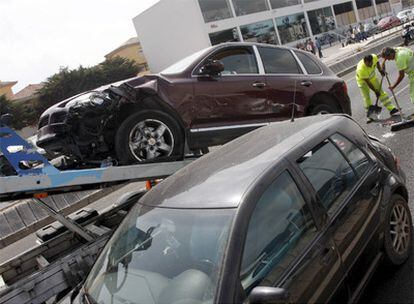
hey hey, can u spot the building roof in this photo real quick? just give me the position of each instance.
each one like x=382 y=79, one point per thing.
x=7 y=83
x=129 y=42
x=28 y=91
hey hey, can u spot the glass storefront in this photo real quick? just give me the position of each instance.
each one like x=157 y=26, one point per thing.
x=230 y=35
x=245 y=7
x=365 y=9
x=214 y=10
x=321 y=20
x=292 y=28
x=283 y=3
x=262 y=32
x=344 y=14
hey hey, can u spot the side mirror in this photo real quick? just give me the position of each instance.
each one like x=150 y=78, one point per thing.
x=212 y=68
x=264 y=295
x=6 y=119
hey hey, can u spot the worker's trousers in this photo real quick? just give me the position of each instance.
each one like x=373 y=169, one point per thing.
x=384 y=98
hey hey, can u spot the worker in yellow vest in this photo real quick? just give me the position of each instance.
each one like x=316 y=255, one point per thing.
x=404 y=60
x=367 y=80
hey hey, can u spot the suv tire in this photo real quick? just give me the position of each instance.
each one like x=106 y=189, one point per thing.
x=326 y=105
x=149 y=135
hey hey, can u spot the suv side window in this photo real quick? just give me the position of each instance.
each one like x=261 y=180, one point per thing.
x=356 y=157
x=310 y=65
x=237 y=61
x=278 y=61
x=280 y=228
x=329 y=173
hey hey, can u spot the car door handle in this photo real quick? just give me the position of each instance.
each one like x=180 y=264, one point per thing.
x=306 y=83
x=259 y=85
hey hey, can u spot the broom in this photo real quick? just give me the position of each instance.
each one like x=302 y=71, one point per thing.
x=404 y=123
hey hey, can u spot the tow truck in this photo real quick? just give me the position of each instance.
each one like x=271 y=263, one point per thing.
x=39 y=198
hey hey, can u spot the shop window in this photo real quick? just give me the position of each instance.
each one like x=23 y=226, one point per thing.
x=245 y=7
x=283 y=3
x=292 y=28
x=214 y=10
x=262 y=32
x=230 y=35
x=321 y=20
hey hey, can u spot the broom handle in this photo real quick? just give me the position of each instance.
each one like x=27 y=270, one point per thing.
x=393 y=95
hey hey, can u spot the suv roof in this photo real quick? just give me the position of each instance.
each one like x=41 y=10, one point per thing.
x=219 y=179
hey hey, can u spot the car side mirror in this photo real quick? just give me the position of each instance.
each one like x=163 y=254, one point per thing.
x=212 y=68
x=264 y=295
x=6 y=119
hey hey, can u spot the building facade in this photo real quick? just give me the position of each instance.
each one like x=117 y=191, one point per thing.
x=6 y=88
x=131 y=50
x=171 y=30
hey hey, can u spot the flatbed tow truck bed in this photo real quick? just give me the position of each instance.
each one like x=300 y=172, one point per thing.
x=67 y=245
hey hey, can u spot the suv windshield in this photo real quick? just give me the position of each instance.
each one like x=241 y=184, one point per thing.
x=161 y=255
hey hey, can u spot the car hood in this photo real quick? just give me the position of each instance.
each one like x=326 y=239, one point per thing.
x=136 y=82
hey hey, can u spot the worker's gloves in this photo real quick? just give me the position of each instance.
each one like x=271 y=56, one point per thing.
x=377 y=93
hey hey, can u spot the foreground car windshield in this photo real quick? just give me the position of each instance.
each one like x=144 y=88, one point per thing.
x=161 y=255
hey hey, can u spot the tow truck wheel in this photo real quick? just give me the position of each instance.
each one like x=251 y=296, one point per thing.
x=148 y=136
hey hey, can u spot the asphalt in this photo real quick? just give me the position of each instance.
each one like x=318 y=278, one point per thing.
x=390 y=285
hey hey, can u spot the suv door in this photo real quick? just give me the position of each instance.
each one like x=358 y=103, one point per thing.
x=286 y=83
x=348 y=185
x=235 y=98
x=284 y=247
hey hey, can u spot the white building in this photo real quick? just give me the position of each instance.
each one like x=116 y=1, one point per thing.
x=173 y=29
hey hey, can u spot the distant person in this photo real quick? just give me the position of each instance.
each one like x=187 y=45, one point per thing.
x=319 y=47
x=367 y=80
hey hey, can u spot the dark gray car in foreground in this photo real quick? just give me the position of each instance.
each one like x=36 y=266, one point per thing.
x=293 y=212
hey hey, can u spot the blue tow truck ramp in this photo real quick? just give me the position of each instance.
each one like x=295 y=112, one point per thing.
x=68 y=248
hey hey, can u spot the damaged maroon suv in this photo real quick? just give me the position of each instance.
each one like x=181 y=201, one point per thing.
x=206 y=99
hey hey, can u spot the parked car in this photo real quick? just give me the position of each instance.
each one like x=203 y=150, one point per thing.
x=405 y=15
x=388 y=22
x=408 y=33
x=206 y=99
x=294 y=212
x=371 y=29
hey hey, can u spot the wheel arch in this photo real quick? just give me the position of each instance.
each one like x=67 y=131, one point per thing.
x=151 y=102
x=318 y=98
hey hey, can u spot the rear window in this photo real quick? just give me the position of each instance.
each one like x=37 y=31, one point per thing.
x=278 y=61
x=310 y=65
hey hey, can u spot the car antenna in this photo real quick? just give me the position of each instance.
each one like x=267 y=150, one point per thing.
x=292 y=118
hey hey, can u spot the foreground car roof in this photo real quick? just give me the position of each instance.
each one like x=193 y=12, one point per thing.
x=219 y=179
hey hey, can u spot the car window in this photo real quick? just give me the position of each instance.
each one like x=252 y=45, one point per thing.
x=310 y=65
x=356 y=157
x=329 y=173
x=237 y=61
x=278 y=61
x=280 y=227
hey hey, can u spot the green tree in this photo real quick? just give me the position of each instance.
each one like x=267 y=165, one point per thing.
x=67 y=83
x=23 y=113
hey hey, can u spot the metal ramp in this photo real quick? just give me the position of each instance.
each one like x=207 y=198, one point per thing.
x=62 y=262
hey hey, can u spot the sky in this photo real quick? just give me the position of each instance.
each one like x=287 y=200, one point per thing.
x=37 y=37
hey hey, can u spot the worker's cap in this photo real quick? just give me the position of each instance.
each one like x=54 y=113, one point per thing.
x=387 y=51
